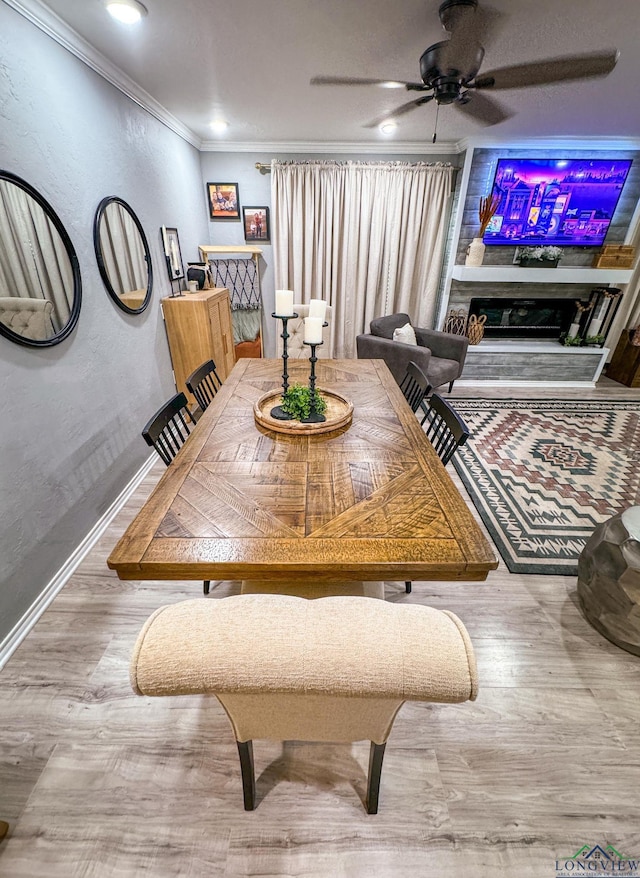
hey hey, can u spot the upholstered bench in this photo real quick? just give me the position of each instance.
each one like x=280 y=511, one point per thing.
x=286 y=668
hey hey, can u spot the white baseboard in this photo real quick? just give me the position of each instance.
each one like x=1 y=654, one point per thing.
x=20 y=630
x=549 y=385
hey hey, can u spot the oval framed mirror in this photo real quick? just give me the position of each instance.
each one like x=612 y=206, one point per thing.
x=40 y=286
x=123 y=256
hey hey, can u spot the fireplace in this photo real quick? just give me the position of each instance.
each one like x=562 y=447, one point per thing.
x=524 y=318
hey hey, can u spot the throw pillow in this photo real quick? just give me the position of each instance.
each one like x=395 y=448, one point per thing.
x=405 y=334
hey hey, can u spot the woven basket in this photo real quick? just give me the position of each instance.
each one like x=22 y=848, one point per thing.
x=475 y=328
x=456 y=322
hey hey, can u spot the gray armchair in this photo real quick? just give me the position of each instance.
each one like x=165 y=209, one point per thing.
x=440 y=355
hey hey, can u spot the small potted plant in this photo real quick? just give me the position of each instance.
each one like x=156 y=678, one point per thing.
x=298 y=402
x=544 y=256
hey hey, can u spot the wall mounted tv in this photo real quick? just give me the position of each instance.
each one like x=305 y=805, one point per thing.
x=567 y=202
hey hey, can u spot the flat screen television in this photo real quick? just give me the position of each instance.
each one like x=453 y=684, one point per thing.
x=558 y=202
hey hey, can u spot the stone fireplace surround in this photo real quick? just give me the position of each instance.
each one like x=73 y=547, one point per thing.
x=529 y=361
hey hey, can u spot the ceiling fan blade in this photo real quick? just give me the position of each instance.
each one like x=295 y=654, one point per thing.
x=400 y=111
x=549 y=71
x=355 y=80
x=483 y=108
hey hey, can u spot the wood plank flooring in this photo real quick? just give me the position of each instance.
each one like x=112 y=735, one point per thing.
x=98 y=782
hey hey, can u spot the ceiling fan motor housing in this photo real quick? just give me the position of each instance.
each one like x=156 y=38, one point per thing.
x=447 y=81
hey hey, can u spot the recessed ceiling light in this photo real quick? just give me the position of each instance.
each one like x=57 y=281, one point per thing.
x=388 y=127
x=218 y=126
x=126 y=11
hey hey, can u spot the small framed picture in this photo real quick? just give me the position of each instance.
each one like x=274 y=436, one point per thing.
x=224 y=201
x=256 y=224
x=171 y=246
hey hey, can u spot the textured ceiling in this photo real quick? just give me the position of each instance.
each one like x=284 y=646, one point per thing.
x=250 y=62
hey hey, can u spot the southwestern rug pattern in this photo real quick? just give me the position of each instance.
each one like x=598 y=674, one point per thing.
x=543 y=473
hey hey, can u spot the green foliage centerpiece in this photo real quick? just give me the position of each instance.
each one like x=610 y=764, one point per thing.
x=299 y=402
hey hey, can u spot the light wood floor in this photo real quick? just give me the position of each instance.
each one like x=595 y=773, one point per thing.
x=98 y=782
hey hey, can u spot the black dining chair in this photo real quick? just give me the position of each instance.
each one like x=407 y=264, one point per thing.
x=415 y=386
x=444 y=427
x=446 y=431
x=167 y=432
x=204 y=382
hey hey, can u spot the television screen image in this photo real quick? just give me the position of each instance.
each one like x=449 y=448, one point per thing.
x=557 y=202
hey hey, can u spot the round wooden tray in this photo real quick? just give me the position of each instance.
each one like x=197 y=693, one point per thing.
x=338 y=414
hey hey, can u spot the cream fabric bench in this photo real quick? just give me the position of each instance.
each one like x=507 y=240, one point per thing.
x=286 y=668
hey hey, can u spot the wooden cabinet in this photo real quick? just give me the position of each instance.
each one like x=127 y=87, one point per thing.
x=199 y=328
x=625 y=363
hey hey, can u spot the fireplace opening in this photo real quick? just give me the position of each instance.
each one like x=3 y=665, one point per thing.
x=524 y=318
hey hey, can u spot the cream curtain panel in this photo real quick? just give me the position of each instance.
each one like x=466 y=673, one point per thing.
x=34 y=263
x=367 y=237
x=122 y=250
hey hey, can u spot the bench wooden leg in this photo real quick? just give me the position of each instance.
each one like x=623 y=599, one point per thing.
x=376 y=755
x=207 y=583
x=407 y=587
x=245 y=751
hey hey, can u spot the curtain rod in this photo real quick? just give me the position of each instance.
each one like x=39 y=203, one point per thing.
x=266 y=169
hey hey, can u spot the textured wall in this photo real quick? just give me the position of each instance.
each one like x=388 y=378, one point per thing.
x=70 y=431
x=255 y=190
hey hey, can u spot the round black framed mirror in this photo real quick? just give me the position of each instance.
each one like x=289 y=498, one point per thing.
x=40 y=286
x=123 y=255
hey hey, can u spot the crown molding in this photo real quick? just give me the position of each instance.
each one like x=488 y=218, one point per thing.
x=385 y=147
x=52 y=25
x=575 y=143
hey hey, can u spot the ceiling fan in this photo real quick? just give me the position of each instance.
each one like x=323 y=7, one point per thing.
x=449 y=69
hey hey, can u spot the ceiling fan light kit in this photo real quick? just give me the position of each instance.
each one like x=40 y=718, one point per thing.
x=450 y=69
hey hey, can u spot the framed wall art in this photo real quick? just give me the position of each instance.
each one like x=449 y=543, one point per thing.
x=256 y=224
x=224 y=201
x=172 y=252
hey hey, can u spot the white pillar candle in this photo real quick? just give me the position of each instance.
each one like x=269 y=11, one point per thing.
x=317 y=308
x=284 y=303
x=313 y=330
x=574 y=329
x=594 y=327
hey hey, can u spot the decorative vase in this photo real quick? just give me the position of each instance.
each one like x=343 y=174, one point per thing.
x=475 y=252
x=475 y=328
x=200 y=272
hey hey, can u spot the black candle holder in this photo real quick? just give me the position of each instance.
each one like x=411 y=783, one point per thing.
x=314 y=416
x=172 y=279
x=277 y=411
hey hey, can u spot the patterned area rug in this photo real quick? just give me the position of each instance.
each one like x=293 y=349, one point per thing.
x=542 y=474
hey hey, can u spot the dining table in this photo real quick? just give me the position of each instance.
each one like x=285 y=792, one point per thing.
x=368 y=501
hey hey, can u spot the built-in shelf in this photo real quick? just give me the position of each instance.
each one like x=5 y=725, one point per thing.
x=566 y=275
x=207 y=250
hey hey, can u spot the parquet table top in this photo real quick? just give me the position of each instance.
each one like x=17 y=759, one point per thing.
x=368 y=502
